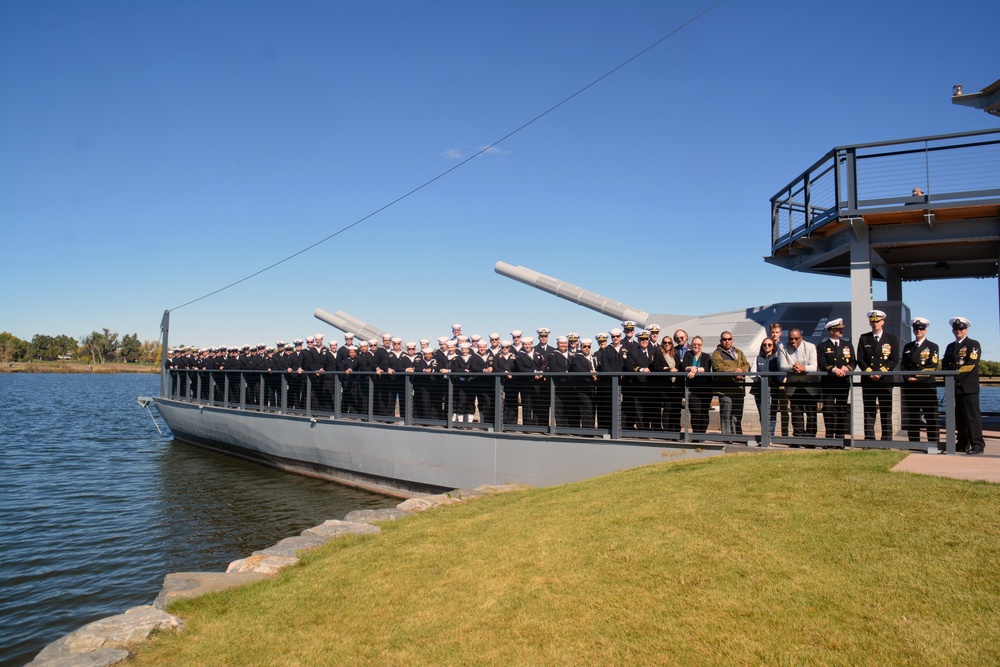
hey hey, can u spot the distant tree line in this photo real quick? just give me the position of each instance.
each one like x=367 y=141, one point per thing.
x=97 y=347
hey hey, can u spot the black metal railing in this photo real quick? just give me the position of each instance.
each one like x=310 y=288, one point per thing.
x=850 y=181
x=750 y=408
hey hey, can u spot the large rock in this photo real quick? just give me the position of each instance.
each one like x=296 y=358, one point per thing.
x=104 y=642
x=180 y=585
x=291 y=546
x=266 y=565
x=372 y=516
x=335 y=528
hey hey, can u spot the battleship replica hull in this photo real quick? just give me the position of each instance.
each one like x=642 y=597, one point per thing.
x=409 y=460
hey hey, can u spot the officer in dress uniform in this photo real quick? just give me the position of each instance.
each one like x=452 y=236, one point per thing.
x=542 y=344
x=557 y=362
x=637 y=394
x=628 y=335
x=582 y=386
x=835 y=356
x=611 y=360
x=878 y=350
x=919 y=391
x=963 y=355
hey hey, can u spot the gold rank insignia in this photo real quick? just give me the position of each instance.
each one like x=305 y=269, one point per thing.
x=974 y=354
x=935 y=360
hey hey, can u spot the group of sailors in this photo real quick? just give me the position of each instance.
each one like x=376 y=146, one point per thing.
x=663 y=378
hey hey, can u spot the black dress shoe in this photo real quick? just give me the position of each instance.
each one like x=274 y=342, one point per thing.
x=973 y=452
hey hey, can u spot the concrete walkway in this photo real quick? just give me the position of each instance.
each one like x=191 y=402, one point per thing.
x=985 y=467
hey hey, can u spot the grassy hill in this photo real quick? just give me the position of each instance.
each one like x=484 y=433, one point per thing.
x=823 y=558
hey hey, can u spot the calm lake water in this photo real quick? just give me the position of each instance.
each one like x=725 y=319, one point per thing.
x=96 y=507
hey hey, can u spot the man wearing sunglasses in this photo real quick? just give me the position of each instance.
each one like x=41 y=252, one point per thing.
x=963 y=355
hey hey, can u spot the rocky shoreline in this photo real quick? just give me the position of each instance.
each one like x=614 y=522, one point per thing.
x=107 y=641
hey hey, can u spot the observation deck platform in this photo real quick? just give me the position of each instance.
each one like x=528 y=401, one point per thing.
x=904 y=210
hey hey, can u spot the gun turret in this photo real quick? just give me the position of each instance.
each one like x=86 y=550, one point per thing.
x=570 y=292
x=348 y=323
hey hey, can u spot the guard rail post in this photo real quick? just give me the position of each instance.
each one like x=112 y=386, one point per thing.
x=949 y=414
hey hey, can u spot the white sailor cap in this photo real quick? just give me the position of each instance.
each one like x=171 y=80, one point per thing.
x=494 y=336
x=505 y=343
x=461 y=337
x=465 y=346
x=586 y=341
x=443 y=339
x=476 y=338
x=333 y=343
x=616 y=332
x=372 y=342
x=529 y=339
x=959 y=323
x=397 y=340
x=456 y=326
x=363 y=343
x=318 y=336
x=834 y=323
x=424 y=341
x=428 y=350
x=348 y=334
x=920 y=321
x=310 y=339
x=387 y=336
x=876 y=315
x=562 y=339
x=352 y=347
x=298 y=341
x=516 y=333
x=280 y=343
x=269 y=349
x=410 y=344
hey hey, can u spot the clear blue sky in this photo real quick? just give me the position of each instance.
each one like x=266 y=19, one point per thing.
x=151 y=152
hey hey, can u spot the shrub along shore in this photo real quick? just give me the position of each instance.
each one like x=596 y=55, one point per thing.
x=824 y=558
x=75 y=367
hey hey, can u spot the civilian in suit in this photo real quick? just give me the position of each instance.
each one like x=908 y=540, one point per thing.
x=963 y=355
x=878 y=350
x=919 y=391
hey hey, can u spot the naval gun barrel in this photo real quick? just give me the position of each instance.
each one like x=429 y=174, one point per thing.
x=570 y=292
x=349 y=324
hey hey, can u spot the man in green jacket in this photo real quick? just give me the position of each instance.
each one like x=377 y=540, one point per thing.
x=728 y=358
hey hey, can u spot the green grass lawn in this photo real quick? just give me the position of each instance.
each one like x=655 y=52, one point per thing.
x=822 y=558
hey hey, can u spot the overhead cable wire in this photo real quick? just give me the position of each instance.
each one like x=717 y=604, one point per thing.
x=464 y=162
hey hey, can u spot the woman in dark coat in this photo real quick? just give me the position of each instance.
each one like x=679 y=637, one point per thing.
x=699 y=397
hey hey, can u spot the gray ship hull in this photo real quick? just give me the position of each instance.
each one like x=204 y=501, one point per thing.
x=410 y=460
